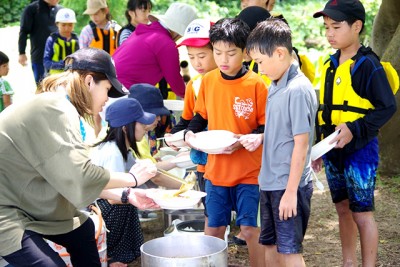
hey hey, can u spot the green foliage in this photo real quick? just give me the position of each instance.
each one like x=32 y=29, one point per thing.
x=390 y=184
x=117 y=10
x=308 y=32
x=206 y=9
x=10 y=11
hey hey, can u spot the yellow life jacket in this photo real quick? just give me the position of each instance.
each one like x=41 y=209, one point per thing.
x=196 y=84
x=62 y=49
x=346 y=104
x=165 y=89
x=307 y=67
x=104 y=39
x=263 y=76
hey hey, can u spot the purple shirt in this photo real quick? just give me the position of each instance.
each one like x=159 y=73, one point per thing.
x=147 y=56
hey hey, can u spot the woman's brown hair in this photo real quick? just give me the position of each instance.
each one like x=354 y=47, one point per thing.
x=73 y=82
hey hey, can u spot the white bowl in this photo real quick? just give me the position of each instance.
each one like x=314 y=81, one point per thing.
x=165 y=199
x=323 y=147
x=176 y=139
x=214 y=141
x=183 y=161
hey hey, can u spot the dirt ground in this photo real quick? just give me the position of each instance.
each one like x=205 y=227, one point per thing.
x=322 y=244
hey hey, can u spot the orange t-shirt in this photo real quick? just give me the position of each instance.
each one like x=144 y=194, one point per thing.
x=192 y=90
x=237 y=106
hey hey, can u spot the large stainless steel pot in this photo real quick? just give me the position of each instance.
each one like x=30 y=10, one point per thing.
x=185 y=251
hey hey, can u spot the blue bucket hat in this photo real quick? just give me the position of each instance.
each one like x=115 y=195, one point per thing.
x=125 y=111
x=150 y=98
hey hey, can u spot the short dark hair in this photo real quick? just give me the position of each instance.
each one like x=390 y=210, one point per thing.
x=230 y=30
x=268 y=35
x=3 y=58
x=351 y=20
x=132 y=5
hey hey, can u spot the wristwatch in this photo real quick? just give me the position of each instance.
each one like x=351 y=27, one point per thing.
x=125 y=195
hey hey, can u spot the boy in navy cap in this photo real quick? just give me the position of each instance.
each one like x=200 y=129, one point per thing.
x=355 y=98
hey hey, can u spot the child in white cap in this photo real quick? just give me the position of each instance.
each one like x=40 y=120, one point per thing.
x=62 y=43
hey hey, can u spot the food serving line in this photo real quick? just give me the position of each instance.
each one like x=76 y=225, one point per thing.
x=184 y=242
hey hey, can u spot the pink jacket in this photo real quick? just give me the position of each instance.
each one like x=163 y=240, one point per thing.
x=148 y=55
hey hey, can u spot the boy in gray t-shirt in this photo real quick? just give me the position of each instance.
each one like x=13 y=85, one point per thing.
x=285 y=176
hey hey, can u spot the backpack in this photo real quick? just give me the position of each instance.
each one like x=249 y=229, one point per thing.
x=391 y=73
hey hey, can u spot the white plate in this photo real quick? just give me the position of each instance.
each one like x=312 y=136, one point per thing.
x=214 y=141
x=183 y=161
x=323 y=147
x=174 y=105
x=176 y=139
x=165 y=199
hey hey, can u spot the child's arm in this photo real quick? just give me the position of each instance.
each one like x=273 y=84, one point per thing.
x=48 y=54
x=288 y=205
x=251 y=141
x=7 y=100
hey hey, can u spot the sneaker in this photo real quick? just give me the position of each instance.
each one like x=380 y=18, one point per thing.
x=238 y=241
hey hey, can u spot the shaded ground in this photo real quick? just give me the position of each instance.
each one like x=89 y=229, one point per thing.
x=322 y=245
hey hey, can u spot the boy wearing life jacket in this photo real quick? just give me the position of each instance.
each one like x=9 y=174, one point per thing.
x=355 y=98
x=62 y=43
x=101 y=32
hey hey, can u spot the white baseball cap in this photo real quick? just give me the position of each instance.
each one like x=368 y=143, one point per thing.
x=197 y=33
x=66 y=15
x=176 y=18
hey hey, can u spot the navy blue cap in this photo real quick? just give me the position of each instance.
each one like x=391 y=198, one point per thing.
x=340 y=10
x=149 y=97
x=125 y=111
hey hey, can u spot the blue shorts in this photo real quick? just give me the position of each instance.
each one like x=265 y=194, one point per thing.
x=287 y=235
x=352 y=176
x=221 y=200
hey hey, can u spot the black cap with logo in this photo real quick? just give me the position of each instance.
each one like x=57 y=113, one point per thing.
x=96 y=60
x=340 y=10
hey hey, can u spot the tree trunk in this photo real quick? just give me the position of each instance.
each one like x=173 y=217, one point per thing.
x=386 y=43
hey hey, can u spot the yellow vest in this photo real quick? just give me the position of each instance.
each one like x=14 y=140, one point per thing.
x=104 y=39
x=263 y=76
x=347 y=105
x=62 y=49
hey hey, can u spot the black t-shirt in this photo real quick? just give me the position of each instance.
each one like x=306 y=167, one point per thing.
x=37 y=21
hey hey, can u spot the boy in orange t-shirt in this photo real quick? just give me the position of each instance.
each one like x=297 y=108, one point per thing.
x=231 y=98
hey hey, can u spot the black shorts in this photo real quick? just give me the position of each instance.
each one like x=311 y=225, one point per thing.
x=287 y=235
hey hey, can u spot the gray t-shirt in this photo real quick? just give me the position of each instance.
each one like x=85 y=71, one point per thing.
x=290 y=110
x=45 y=172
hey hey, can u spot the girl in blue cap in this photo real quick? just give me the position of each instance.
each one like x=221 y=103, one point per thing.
x=128 y=124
